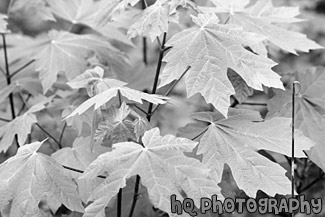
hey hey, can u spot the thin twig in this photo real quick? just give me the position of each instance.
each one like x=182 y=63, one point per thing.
x=292 y=163
x=62 y=132
x=155 y=83
x=11 y=96
x=49 y=135
x=21 y=68
x=171 y=88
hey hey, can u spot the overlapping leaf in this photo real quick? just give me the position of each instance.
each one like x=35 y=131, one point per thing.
x=3 y=23
x=236 y=140
x=154 y=20
x=20 y=126
x=68 y=53
x=38 y=7
x=29 y=176
x=210 y=49
x=309 y=109
x=162 y=166
x=262 y=18
x=115 y=128
x=107 y=89
x=94 y=14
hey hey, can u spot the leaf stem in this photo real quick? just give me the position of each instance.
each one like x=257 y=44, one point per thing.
x=155 y=83
x=11 y=96
x=62 y=132
x=171 y=88
x=254 y=103
x=80 y=171
x=21 y=68
x=5 y=120
x=2 y=71
x=143 y=111
x=49 y=135
x=200 y=134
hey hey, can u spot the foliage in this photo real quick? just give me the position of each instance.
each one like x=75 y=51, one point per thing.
x=80 y=82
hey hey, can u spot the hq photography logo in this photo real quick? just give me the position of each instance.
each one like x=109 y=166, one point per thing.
x=263 y=206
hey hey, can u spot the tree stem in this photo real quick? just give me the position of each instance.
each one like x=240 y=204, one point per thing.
x=155 y=83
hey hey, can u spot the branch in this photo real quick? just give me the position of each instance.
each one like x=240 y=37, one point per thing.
x=11 y=96
x=171 y=88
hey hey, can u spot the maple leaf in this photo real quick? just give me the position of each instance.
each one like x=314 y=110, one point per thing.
x=3 y=23
x=153 y=21
x=20 y=126
x=80 y=155
x=68 y=53
x=262 y=18
x=94 y=14
x=309 y=108
x=236 y=140
x=162 y=166
x=115 y=128
x=107 y=89
x=210 y=49
x=38 y=7
x=242 y=90
x=29 y=176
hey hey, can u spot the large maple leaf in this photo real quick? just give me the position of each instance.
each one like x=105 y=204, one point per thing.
x=210 y=49
x=309 y=109
x=262 y=18
x=162 y=166
x=236 y=140
x=29 y=176
x=69 y=53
